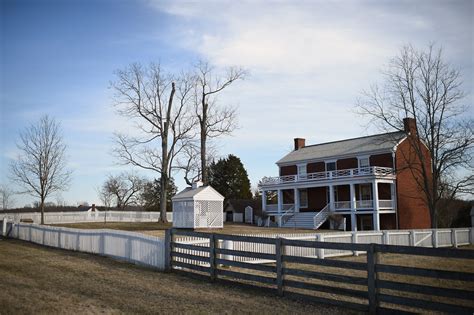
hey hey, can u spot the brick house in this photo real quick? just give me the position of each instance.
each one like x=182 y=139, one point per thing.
x=365 y=183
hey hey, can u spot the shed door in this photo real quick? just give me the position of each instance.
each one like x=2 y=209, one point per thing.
x=201 y=214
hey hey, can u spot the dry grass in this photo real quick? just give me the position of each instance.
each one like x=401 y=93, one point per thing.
x=36 y=279
x=427 y=262
x=158 y=229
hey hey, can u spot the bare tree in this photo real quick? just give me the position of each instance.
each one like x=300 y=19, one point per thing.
x=125 y=188
x=158 y=103
x=105 y=196
x=190 y=160
x=6 y=197
x=422 y=85
x=40 y=168
x=214 y=120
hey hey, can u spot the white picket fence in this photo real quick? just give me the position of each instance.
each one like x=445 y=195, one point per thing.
x=150 y=251
x=423 y=238
x=87 y=216
x=128 y=246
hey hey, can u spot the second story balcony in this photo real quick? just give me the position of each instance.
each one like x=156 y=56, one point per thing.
x=372 y=171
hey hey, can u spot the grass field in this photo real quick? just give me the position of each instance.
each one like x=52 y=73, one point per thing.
x=40 y=280
x=158 y=229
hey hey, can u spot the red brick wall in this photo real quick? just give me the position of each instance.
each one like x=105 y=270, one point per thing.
x=317 y=199
x=384 y=191
x=288 y=196
x=413 y=212
x=288 y=170
x=383 y=160
x=316 y=167
x=343 y=192
x=347 y=163
x=388 y=221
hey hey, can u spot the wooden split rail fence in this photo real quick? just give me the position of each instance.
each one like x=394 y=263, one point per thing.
x=365 y=283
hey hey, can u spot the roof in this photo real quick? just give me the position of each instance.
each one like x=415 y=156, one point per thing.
x=200 y=193
x=348 y=147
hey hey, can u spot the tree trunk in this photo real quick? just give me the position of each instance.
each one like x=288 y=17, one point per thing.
x=163 y=197
x=205 y=176
x=42 y=210
x=203 y=123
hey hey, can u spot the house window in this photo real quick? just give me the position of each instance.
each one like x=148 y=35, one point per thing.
x=303 y=198
x=330 y=166
x=302 y=171
x=364 y=162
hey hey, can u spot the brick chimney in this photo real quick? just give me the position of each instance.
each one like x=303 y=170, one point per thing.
x=299 y=143
x=409 y=124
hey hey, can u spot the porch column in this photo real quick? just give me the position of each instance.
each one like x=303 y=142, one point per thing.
x=280 y=206
x=331 y=197
x=353 y=208
x=376 y=216
x=395 y=202
x=280 y=201
x=297 y=200
x=392 y=196
x=264 y=200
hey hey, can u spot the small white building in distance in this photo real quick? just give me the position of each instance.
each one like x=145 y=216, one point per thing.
x=198 y=207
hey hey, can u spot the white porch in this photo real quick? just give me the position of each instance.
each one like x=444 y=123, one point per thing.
x=353 y=200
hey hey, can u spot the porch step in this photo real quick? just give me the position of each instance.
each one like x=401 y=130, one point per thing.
x=301 y=220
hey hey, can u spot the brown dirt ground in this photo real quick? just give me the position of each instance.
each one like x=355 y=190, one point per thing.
x=40 y=280
x=158 y=229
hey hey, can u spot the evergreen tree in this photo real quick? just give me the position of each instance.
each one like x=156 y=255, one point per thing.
x=229 y=177
x=151 y=195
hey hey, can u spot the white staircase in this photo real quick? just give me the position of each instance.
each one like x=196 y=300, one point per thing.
x=302 y=220
x=321 y=217
x=308 y=220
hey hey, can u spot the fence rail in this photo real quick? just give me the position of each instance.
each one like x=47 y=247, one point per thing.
x=285 y=273
x=87 y=216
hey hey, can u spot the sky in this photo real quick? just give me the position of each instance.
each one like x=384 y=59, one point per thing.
x=308 y=61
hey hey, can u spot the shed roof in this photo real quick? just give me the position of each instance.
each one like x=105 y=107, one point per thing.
x=355 y=146
x=200 y=193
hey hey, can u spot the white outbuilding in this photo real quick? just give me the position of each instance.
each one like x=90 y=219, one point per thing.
x=198 y=207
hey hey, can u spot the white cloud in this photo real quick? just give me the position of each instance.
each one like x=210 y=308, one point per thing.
x=309 y=61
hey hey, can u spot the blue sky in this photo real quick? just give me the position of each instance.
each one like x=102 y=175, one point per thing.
x=308 y=60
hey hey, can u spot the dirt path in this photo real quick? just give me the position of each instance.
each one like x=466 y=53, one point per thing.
x=35 y=279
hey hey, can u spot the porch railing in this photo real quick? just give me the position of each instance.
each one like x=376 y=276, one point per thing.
x=273 y=208
x=363 y=204
x=347 y=173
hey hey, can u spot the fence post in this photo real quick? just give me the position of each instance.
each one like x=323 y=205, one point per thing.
x=354 y=241
x=386 y=237
x=412 y=238
x=372 y=260
x=212 y=257
x=4 y=227
x=454 y=238
x=434 y=236
x=279 y=264
x=168 y=240
x=471 y=234
x=321 y=250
